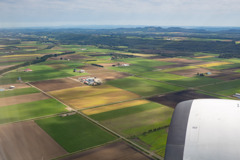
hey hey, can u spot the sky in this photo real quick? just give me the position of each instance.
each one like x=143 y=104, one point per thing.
x=41 y=13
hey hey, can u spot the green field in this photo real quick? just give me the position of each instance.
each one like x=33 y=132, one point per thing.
x=74 y=133
x=30 y=110
x=143 y=87
x=17 y=92
x=142 y=117
x=161 y=76
x=226 y=88
x=139 y=65
x=40 y=72
x=157 y=141
x=194 y=81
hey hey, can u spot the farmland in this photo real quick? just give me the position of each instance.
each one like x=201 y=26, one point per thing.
x=154 y=115
x=29 y=110
x=143 y=72
x=114 y=150
x=28 y=141
x=88 y=96
x=17 y=92
x=78 y=132
x=142 y=86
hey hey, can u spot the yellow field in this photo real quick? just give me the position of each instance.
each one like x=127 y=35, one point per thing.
x=22 y=55
x=90 y=96
x=1 y=45
x=139 y=54
x=237 y=42
x=204 y=57
x=114 y=107
x=212 y=64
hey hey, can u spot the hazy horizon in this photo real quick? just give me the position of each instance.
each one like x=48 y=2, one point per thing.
x=57 y=13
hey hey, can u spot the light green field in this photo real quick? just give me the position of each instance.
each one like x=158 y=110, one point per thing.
x=161 y=76
x=194 y=81
x=30 y=110
x=142 y=86
x=157 y=140
x=142 y=117
x=74 y=133
x=139 y=65
x=17 y=92
x=178 y=68
x=225 y=88
x=40 y=72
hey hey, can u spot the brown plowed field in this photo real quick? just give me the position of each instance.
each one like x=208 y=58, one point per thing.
x=172 y=99
x=27 y=141
x=7 y=66
x=56 y=84
x=22 y=99
x=225 y=75
x=193 y=72
x=17 y=85
x=113 y=151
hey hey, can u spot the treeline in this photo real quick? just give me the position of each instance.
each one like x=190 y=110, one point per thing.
x=152 y=46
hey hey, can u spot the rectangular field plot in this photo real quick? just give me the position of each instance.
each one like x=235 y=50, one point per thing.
x=74 y=133
x=143 y=87
x=194 y=72
x=195 y=81
x=180 y=60
x=172 y=99
x=89 y=96
x=6 y=101
x=39 y=72
x=56 y=84
x=29 y=110
x=161 y=76
x=157 y=140
x=114 y=107
x=213 y=64
x=16 y=92
x=26 y=141
x=139 y=65
x=117 y=150
x=135 y=120
x=225 y=88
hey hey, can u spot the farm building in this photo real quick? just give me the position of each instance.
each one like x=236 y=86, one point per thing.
x=79 y=71
x=28 y=70
x=91 y=81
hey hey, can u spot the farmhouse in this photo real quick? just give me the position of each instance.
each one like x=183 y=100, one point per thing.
x=91 y=81
x=28 y=70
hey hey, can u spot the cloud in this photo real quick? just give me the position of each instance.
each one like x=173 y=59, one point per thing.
x=124 y=11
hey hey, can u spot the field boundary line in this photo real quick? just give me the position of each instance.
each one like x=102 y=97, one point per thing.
x=143 y=150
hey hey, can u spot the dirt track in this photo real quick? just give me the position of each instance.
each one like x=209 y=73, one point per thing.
x=56 y=84
x=173 y=99
x=27 y=141
x=22 y=99
x=113 y=151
